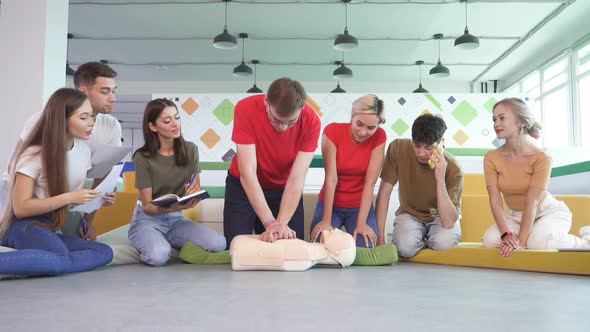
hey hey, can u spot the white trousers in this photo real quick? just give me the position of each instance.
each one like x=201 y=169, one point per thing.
x=552 y=224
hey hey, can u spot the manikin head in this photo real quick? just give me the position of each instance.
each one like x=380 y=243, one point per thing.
x=340 y=245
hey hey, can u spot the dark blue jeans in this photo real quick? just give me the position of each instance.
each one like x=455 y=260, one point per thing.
x=239 y=216
x=42 y=252
x=344 y=217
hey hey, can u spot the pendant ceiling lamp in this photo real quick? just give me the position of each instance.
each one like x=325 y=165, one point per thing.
x=254 y=88
x=225 y=40
x=342 y=72
x=338 y=89
x=345 y=41
x=439 y=71
x=420 y=89
x=467 y=41
x=243 y=69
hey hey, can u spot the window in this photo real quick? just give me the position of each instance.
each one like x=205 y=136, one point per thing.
x=583 y=87
x=555 y=74
x=556 y=122
x=513 y=91
x=532 y=85
x=560 y=98
x=583 y=56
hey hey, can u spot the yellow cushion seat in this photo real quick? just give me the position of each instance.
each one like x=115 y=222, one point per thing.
x=472 y=254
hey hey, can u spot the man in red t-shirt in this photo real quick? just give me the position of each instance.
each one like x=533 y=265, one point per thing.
x=276 y=135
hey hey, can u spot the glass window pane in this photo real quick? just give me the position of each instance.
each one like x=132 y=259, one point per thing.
x=555 y=69
x=531 y=82
x=555 y=81
x=584 y=85
x=556 y=128
x=513 y=91
x=584 y=59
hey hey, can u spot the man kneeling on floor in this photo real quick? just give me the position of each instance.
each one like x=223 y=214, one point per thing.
x=430 y=185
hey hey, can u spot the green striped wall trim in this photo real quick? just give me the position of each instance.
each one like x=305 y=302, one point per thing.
x=467 y=152
x=214 y=165
x=576 y=168
x=215 y=191
x=318 y=162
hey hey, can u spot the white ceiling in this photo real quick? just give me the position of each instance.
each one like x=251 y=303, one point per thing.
x=295 y=38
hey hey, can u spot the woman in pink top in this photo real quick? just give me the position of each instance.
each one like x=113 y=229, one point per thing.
x=520 y=171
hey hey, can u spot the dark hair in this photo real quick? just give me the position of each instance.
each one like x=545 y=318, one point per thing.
x=153 y=109
x=286 y=95
x=50 y=134
x=428 y=129
x=87 y=73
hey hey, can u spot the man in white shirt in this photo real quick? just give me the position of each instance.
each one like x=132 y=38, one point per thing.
x=97 y=81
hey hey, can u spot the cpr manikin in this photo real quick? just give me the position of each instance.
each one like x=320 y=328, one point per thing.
x=249 y=253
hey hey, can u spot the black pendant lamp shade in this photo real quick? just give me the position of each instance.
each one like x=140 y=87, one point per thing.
x=345 y=41
x=225 y=40
x=439 y=71
x=466 y=41
x=338 y=89
x=254 y=88
x=420 y=89
x=243 y=69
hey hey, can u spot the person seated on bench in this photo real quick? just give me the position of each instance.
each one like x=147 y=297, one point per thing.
x=430 y=199
x=353 y=155
x=46 y=175
x=520 y=171
x=165 y=164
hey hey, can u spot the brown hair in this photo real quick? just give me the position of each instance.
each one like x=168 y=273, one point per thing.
x=523 y=114
x=286 y=95
x=49 y=133
x=153 y=109
x=87 y=73
x=369 y=104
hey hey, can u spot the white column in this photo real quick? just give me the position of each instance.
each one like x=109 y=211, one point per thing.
x=33 y=39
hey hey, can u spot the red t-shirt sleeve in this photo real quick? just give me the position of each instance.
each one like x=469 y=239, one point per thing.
x=380 y=137
x=243 y=131
x=330 y=132
x=312 y=135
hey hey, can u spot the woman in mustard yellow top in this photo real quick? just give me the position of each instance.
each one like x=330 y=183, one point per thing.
x=520 y=171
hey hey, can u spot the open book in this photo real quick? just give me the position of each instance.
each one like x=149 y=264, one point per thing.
x=170 y=199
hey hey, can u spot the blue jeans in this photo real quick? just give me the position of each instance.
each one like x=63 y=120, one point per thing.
x=154 y=236
x=42 y=252
x=344 y=217
x=240 y=218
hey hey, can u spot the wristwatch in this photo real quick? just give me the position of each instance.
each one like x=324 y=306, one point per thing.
x=505 y=234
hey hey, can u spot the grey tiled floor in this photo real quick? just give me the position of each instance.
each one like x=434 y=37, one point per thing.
x=403 y=297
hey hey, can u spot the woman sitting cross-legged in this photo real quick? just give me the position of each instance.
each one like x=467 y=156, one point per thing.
x=46 y=174
x=166 y=164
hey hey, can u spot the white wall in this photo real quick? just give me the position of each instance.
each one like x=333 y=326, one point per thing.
x=32 y=61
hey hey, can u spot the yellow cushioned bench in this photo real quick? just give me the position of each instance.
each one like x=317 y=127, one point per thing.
x=477 y=217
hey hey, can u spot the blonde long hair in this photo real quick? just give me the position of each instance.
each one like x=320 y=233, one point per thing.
x=49 y=133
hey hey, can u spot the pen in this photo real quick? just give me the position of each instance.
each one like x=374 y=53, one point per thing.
x=190 y=182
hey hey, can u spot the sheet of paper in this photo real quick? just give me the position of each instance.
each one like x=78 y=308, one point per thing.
x=104 y=158
x=106 y=186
